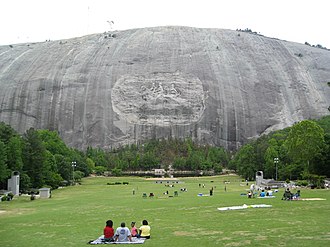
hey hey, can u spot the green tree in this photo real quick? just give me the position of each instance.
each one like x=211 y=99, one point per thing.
x=6 y=132
x=64 y=167
x=4 y=172
x=24 y=182
x=304 y=142
x=14 y=154
x=34 y=158
x=116 y=172
x=246 y=162
x=179 y=163
x=270 y=154
x=90 y=164
x=53 y=143
x=194 y=161
x=99 y=170
x=51 y=176
x=149 y=161
x=78 y=175
x=218 y=155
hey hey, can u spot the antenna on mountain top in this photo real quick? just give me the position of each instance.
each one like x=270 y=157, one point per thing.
x=111 y=23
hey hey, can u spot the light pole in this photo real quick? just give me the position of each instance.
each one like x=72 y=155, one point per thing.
x=73 y=164
x=276 y=160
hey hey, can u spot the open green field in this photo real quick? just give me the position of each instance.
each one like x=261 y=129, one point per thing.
x=77 y=214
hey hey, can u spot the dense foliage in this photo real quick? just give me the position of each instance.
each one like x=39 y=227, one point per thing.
x=43 y=159
x=183 y=155
x=302 y=151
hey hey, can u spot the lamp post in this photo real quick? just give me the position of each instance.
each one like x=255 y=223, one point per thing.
x=73 y=164
x=276 y=160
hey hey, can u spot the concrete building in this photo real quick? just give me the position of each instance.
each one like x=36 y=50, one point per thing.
x=13 y=183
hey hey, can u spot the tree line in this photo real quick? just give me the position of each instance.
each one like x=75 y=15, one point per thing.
x=301 y=151
x=44 y=160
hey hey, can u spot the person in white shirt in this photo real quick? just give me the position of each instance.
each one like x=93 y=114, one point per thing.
x=123 y=234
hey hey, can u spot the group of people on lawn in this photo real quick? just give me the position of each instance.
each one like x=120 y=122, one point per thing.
x=123 y=234
x=288 y=195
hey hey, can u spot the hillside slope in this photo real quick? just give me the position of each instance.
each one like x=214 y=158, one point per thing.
x=217 y=86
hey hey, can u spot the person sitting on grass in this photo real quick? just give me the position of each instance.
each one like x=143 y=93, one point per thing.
x=123 y=234
x=263 y=193
x=134 y=232
x=287 y=195
x=108 y=231
x=269 y=193
x=296 y=196
x=144 y=230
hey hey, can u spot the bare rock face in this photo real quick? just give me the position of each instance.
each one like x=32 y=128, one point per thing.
x=219 y=87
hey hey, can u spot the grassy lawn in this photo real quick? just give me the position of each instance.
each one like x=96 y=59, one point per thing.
x=77 y=214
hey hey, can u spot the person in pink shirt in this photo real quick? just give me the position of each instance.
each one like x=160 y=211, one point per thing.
x=133 y=230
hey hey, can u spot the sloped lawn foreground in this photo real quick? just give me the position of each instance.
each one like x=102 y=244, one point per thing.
x=77 y=214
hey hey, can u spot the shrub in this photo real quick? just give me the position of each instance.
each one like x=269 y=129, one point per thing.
x=301 y=183
x=10 y=196
x=116 y=172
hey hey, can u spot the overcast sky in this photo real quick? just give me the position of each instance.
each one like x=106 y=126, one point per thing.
x=39 y=20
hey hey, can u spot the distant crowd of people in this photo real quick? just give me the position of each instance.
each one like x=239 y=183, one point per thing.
x=123 y=233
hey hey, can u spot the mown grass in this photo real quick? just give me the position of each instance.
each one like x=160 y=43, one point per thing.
x=75 y=215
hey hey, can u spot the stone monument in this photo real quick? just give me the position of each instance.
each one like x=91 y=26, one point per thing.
x=13 y=183
x=259 y=178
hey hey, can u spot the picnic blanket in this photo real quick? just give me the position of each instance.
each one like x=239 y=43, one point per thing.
x=245 y=207
x=134 y=241
x=312 y=199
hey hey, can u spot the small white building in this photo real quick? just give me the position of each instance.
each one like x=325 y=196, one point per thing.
x=44 y=192
x=13 y=183
x=160 y=172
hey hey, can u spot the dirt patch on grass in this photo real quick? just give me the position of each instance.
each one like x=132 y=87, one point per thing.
x=190 y=234
x=216 y=233
x=181 y=233
x=242 y=243
x=163 y=179
x=261 y=237
x=17 y=211
x=244 y=233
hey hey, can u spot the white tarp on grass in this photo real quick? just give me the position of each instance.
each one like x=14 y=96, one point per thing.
x=101 y=241
x=244 y=206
